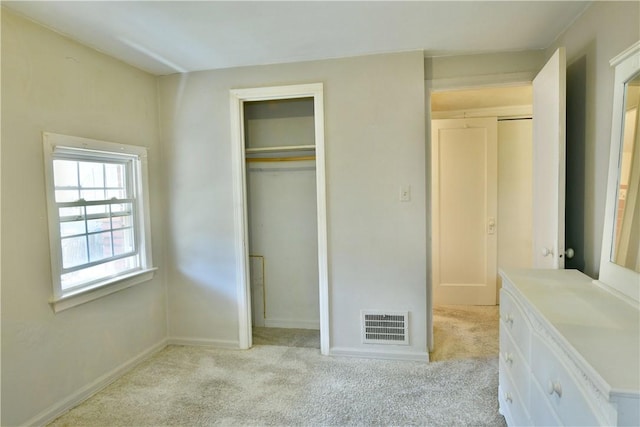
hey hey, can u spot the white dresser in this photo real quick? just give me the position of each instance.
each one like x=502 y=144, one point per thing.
x=569 y=351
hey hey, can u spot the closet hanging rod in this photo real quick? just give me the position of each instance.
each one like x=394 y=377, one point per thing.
x=281 y=148
x=279 y=159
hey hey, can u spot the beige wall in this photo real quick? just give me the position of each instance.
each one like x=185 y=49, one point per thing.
x=603 y=31
x=515 y=194
x=456 y=72
x=50 y=83
x=374 y=137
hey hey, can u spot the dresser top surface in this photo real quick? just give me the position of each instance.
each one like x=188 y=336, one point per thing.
x=602 y=328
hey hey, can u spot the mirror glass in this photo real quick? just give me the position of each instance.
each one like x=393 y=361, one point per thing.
x=626 y=242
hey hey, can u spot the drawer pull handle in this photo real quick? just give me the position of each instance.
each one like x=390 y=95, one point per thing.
x=508 y=319
x=508 y=398
x=508 y=358
x=554 y=387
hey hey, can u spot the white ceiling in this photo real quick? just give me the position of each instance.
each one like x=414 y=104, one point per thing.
x=165 y=37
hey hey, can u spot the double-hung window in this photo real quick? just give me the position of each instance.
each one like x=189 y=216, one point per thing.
x=98 y=217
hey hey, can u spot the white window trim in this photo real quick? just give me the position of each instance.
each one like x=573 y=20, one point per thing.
x=65 y=299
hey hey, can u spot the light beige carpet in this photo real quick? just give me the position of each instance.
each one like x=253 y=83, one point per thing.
x=309 y=338
x=284 y=381
x=291 y=386
x=461 y=332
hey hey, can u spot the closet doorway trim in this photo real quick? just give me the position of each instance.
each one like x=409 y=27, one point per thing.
x=237 y=99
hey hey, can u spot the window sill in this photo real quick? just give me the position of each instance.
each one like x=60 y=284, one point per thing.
x=77 y=297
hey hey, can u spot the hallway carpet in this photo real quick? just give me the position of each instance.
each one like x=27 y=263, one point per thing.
x=462 y=331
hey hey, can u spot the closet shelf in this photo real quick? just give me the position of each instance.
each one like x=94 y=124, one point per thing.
x=280 y=149
x=279 y=159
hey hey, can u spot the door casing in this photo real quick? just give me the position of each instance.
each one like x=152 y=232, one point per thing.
x=237 y=99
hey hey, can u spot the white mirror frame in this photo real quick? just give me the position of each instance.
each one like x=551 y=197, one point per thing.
x=622 y=280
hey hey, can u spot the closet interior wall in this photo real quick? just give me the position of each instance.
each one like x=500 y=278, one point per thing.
x=282 y=214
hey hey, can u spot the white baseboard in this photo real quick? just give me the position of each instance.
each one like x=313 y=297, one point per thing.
x=203 y=342
x=379 y=354
x=57 y=409
x=289 y=324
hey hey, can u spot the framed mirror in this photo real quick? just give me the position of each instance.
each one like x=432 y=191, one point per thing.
x=620 y=260
x=626 y=238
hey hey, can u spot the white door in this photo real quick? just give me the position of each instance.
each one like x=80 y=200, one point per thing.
x=464 y=200
x=549 y=119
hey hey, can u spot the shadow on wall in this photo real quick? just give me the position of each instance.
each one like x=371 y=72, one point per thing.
x=576 y=157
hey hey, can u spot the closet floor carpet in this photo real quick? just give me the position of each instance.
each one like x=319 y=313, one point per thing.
x=308 y=338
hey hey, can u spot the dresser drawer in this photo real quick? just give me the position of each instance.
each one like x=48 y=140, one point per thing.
x=512 y=406
x=542 y=414
x=513 y=320
x=558 y=387
x=513 y=362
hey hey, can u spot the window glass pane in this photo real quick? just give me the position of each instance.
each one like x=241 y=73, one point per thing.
x=70 y=212
x=74 y=251
x=91 y=174
x=100 y=224
x=123 y=241
x=97 y=209
x=115 y=175
x=99 y=246
x=122 y=221
x=66 y=196
x=106 y=270
x=72 y=228
x=92 y=195
x=118 y=194
x=65 y=173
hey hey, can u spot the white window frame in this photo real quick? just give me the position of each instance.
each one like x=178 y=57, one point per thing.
x=58 y=146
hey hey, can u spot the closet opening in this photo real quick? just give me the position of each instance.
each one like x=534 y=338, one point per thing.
x=278 y=139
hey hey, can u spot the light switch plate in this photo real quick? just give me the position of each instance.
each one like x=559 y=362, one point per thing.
x=405 y=193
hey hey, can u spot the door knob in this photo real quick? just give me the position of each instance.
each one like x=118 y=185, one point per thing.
x=570 y=253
